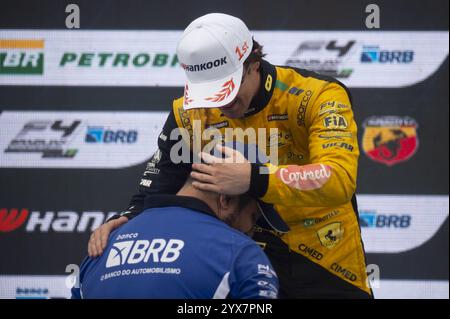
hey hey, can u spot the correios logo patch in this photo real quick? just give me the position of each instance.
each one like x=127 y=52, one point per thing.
x=134 y=252
x=21 y=57
x=390 y=139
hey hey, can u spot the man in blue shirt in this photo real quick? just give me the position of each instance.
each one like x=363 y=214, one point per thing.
x=188 y=245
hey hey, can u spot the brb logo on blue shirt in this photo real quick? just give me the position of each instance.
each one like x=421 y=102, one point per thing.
x=136 y=251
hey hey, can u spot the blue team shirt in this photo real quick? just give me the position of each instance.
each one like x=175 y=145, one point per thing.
x=178 y=252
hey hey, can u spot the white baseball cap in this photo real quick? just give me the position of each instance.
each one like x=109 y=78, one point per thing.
x=212 y=52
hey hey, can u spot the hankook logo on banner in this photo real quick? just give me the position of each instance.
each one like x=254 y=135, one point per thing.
x=398 y=223
x=148 y=58
x=56 y=221
x=78 y=139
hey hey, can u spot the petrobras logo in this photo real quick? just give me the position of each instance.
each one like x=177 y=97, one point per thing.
x=51 y=221
x=21 y=56
x=133 y=58
x=398 y=223
x=133 y=252
x=78 y=139
x=372 y=219
x=142 y=58
x=373 y=54
x=117 y=60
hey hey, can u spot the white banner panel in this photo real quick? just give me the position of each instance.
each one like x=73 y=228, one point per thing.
x=398 y=223
x=412 y=289
x=34 y=287
x=47 y=287
x=78 y=139
x=148 y=58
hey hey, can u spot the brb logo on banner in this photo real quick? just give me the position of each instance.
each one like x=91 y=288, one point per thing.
x=98 y=134
x=373 y=54
x=390 y=139
x=373 y=220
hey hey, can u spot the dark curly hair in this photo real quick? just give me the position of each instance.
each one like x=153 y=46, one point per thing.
x=256 y=55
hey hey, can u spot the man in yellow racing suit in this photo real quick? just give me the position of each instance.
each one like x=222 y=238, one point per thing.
x=312 y=185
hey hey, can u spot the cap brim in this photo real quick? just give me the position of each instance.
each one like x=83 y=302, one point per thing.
x=272 y=218
x=212 y=94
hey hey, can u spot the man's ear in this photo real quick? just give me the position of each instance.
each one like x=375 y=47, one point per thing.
x=254 y=67
x=224 y=201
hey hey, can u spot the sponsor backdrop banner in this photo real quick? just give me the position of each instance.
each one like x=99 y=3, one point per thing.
x=78 y=140
x=81 y=112
x=56 y=287
x=148 y=58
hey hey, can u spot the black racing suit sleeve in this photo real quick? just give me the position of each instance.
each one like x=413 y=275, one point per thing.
x=161 y=175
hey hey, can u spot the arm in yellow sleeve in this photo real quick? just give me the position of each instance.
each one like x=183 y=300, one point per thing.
x=330 y=178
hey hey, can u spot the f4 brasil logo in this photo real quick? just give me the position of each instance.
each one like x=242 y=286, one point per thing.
x=73 y=140
x=373 y=54
x=373 y=220
x=390 y=139
x=99 y=134
x=47 y=137
x=134 y=252
x=21 y=57
x=323 y=56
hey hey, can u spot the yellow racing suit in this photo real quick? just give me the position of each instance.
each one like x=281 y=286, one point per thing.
x=312 y=185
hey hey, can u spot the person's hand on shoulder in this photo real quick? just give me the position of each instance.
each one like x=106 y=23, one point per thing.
x=99 y=237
